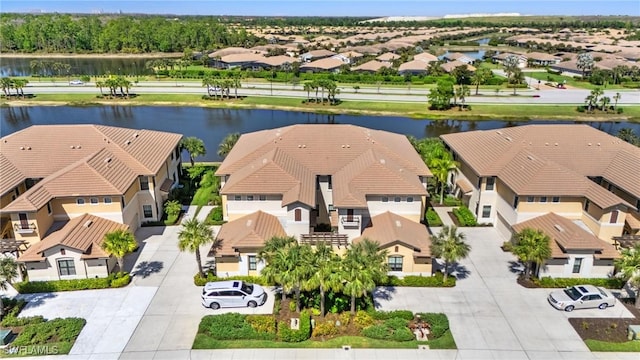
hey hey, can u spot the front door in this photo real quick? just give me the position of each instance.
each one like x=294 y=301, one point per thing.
x=349 y=215
x=24 y=222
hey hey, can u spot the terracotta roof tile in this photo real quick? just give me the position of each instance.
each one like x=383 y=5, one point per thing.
x=388 y=229
x=250 y=231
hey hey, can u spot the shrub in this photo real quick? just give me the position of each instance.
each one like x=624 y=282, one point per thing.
x=113 y=280
x=325 y=329
x=465 y=216
x=432 y=218
x=438 y=322
x=262 y=323
x=345 y=318
x=395 y=314
x=548 y=282
x=437 y=280
x=394 y=329
x=376 y=332
x=62 y=330
x=12 y=307
x=292 y=305
x=201 y=281
x=363 y=319
x=452 y=201
x=234 y=326
x=12 y=320
x=287 y=335
x=215 y=216
x=507 y=246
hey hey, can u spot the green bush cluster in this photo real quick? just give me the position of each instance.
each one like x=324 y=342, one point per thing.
x=234 y=326
x=201 y=281
x=465 y=216
x=113 y=280
x=386 y=315
x=60 y=330
x=327 y=328
x=438 y=322
x=437 y=280
x=215 y=217
x=287 y=335
x=395 y=329
x=609 y=283
x=13 y=320
x=452 y=201
x=432 y=217
x=262 y=323
x=363 y=319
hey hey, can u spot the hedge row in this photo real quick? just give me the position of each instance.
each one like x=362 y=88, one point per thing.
x=432 y=217
x=437 y=280
x=465 y=216
x=201 y=281
x=112 y=281
x=609 y=283
x=234 y=326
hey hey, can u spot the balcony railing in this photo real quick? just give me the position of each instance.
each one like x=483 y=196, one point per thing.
x=350 y=220
x=24 y=228
x=328 y=238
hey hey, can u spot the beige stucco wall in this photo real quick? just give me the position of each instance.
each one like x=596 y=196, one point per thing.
x=67 y=208
x=590 y=267
x=7 y=198
x=30 y=237
x=569 y=207
x=409 y=267
x=227 y=266
x=48 y=270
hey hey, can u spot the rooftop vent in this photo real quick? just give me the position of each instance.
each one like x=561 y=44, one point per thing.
x=249 y=222
x=546 y=144
x=342 y=146
x=299 y=146
x=556 y=144
x=127 y=142
x=304 y=146
x=348 y=146
x=79 y=147
x=107 y=160
x=135 y=135
x=558 y=227
x=382 y=161
x=530 y=157
x=508 y=138
x=499 y=132
x=21 y=147
x=28 y=147
x=398 y=223
x=73 y=147
x=88 y=223
x=589 y=144
x=598 y=144
x=264 y=161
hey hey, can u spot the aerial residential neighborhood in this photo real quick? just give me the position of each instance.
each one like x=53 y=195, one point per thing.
x=296 y=180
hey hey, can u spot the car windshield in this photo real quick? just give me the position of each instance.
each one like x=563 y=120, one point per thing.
x=247 y=288
x=573 y=293
x=604 y=294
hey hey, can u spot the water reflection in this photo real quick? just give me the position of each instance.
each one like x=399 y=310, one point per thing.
x=78 y=66
x=17 y=116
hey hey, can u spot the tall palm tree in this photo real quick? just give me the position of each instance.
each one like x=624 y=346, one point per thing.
x=462 y=92
x=629 y=267
x=605 y=101
x=100 y=84
x=441 y=165
x=8 y=272
x=194 y=146
x=308 y=87
x=480 y=77
x=6 y=83
x=449 y=245
x=616 y=98
x=296 y=269
x=194 y=234
x=584 y=63
x=517 y=78
x=325 y=275
x=273 y=256
x=531 y=247
x=227 y=144
x=119 y=243
x=362 y=266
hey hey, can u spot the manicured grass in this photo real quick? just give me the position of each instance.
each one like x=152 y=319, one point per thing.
x=58 y=348
x=628 y=346
x=203 y=196
x=545 y=76
x=204 y=342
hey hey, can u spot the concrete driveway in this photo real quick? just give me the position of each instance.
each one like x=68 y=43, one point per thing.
x=491 y=316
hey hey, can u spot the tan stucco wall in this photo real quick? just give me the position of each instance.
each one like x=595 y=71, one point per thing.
x=43 y=220
x=565 y=206
x=66 y=208
x=408 y=264
x=48 y=270
x=30 y=237
x=227 y=265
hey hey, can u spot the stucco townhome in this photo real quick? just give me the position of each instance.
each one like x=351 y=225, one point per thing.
x=512 y=175
x=64 y=186
x=323 y=183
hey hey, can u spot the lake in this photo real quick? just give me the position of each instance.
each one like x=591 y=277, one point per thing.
x=79 y=66
x=212 y=125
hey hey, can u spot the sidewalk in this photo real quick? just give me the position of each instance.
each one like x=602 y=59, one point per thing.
x=443 y=211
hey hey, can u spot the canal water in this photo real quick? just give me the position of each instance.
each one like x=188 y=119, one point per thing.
x=212 y=125
x=79 y=66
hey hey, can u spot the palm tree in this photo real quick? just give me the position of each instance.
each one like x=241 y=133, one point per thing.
x=616 y=98
x=480 y=77
x=510 y=65
x=100 y=84
x=531 y=247
x=271 y=254
x=628 y=135
x=462 y=92
x=629 y=267
x=449 y=245
x=295 y=268
x=517 y=77
x=325 y=275
x=119 y=243
x=227 y=144
x=362 y=266
x=584 y=63
x=308 y=87
x=237 y=76
x=6 y=83
x=8 y=272
x=19 y=85
x=441 y=164
x=194 y=146
x=605 y=101
x=194 y=234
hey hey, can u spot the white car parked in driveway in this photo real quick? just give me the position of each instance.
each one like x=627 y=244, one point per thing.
x=233 y=293
x=581 y=297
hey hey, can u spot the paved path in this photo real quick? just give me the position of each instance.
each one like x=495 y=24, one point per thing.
x=443 y=212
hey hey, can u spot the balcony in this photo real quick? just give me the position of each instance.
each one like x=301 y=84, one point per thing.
x=350 y=221
x=24 y=228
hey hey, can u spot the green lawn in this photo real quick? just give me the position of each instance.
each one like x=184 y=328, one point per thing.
x=204 y=342
x=544 y=76
x=628 y=346
x=59 y=348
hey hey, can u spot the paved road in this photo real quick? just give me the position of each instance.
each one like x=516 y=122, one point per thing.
x=547 y=96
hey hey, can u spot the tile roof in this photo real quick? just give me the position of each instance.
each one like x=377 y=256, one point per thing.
x=414 y=65
x=388 y=56
x=324 y=64
x=230 y=51
x=79 y=159
x=372 y=66
x=388 y=229
x=426 y=57
x=567 y=236
x=551 y=160
x=287 y=160
x=83 y=233
x=448 y=67
x=250 y=231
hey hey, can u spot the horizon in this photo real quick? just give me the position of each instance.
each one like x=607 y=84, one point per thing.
x=347 y=8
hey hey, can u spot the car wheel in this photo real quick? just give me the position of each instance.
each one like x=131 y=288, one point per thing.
x=214 y=306
x=569 y=308
x=603 y=306
x=252 y=304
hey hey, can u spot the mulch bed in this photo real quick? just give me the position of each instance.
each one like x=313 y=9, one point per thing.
x=527 y=283
x=606 y=329
x=454 y=219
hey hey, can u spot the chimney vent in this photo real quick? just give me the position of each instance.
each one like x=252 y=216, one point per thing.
x=88 y=223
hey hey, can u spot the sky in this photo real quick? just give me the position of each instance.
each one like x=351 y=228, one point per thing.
x=331 y=8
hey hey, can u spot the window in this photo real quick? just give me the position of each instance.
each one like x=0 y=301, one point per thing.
x=298 y=215
x=614 y=217
x=63 y=252
x=93 y=201
x=331 y=207
x=178 y=153
x=586 y=205
x=122 y=201
x=530 y=198
x=486 y=211
x=144 y=183
x=555 y=199
x=107 y=200
x=80 y=201
x=330 y=184
x=49 y=208
x=249 y=197
x=543 y=199
x=253 y=263
x=397 y=199
x=385 y=199
x=237 y=198
x=263 y=197
x=516 y=199
x=66 y=267
x=577 y=264
x=409 y=199
x=479 y=183
x=491 y=181
x=395 y=263
x=147 y=210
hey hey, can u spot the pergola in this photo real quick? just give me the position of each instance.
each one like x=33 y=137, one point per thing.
x=12 y=246
x=626 y=241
